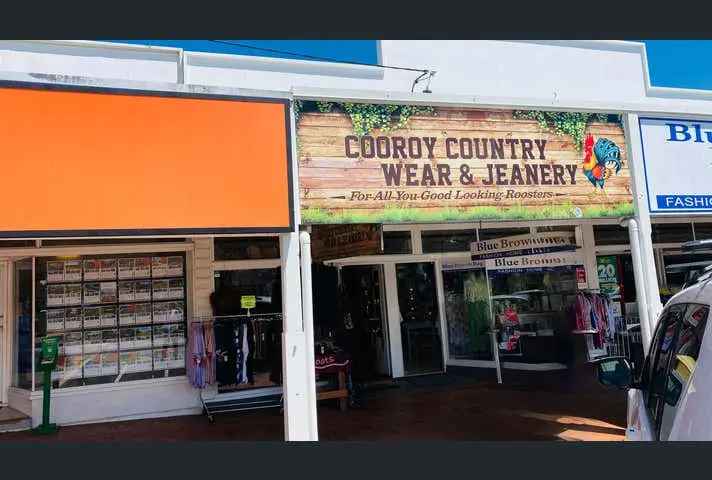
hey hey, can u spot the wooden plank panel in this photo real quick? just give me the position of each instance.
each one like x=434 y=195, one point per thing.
x=334 y=183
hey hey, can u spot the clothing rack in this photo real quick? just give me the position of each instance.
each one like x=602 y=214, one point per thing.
x=238 y=400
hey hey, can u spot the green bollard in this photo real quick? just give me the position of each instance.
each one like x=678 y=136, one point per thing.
x=50 y=346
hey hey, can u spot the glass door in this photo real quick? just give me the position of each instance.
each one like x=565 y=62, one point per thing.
x=364 y=333
x=23 y=335
x=3 y=329
x=419 y=318
x=467 y=310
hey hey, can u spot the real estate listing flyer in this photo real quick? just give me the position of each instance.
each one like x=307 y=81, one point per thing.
x=108 y=316
x=92 y=293
x=126 y=291
x=110 y=363
x=109 y=340
x=107 y=292
x=73 y=366
x=55 y=319
x=142 y=267
x=127 y=314
x=142 y=290
x=73 y=343
x=92 y=269
x=159 y=267
x=73 y=318
x=73 y=294
x=55 y=295
x=127 y=338
x=55 y=271
x=92 y=341
x=107 y=269
x=92 y=317
x=126 y=268
x=143 y=313
x=174 y=266
x=73 y=271
x=92 y=365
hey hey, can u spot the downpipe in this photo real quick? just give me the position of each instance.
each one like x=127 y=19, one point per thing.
x=639 y=277
x=308 y=327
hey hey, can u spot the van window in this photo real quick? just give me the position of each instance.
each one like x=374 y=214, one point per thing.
x=683 y=362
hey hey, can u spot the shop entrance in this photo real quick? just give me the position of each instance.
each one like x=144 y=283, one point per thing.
x=419 y=318
x=365 y=329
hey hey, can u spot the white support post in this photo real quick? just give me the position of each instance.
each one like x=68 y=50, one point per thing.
x=588 y=244
x=297 y=418
x=642 y=217
x=440 y=290
x=394 y=325
x=308 y=320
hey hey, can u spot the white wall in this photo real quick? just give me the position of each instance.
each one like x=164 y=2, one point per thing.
x=517 y=69
x=90 y=59
x=548 y=70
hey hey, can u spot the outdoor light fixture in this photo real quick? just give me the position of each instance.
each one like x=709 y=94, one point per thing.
x=426 y=73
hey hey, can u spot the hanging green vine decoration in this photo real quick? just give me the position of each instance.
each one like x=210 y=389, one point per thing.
x=297 y=107
x=367 y=117
x=564 y=123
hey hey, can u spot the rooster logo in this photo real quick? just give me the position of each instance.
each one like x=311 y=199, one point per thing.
x=600 y=160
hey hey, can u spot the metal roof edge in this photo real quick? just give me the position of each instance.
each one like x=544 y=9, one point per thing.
x=91 y=83
x=102 y=44
x=642 y=106
x=283 y=65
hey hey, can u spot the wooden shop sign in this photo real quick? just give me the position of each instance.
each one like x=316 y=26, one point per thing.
x=339 y=241
x=458 y=165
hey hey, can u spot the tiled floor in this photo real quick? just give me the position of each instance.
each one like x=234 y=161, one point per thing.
x=528 y=406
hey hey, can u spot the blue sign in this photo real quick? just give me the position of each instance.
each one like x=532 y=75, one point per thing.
x=684 y=201
x=677 y=162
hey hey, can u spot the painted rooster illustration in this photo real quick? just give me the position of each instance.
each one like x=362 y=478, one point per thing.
x=600 y=160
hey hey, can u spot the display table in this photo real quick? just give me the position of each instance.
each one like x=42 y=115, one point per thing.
x=334 y=363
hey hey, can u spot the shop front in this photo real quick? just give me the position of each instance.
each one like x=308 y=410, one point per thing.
x=113 y=199
x=440 y=183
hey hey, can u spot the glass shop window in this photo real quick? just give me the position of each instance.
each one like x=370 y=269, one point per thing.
x=556 y=228
x=246 y=248
x=671 y=232
x=610 y=235
x=703 y=231
x=264 y=283
x=492 y=233
x=397 y=242
x=118 y=317
x=441 y=241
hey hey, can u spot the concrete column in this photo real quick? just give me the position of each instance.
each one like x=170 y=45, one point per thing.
x=295 y=382
x=588 y=244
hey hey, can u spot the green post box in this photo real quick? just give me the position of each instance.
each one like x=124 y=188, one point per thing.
x=48 y=361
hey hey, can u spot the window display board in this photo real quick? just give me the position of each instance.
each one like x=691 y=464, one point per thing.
x=118 y=317
x=529 y=296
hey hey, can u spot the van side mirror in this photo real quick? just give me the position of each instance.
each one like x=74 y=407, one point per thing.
x=615 y=372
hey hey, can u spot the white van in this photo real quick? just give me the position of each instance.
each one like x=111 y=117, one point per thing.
x=672 y=398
